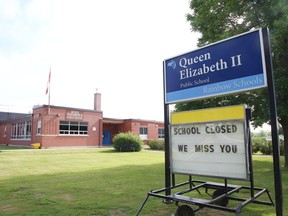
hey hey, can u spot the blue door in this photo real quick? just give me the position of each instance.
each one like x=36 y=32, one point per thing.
x=106 y=140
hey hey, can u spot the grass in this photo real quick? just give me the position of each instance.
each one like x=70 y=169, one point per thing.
x=100 y=182
x=9 y=147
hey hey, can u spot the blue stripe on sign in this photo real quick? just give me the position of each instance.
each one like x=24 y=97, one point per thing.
x=226 y=87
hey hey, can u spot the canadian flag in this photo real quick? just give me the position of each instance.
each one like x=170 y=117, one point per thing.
x=48 y=83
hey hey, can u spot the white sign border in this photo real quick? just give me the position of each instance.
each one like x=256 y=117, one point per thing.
x=183 y=99
x=246 y=142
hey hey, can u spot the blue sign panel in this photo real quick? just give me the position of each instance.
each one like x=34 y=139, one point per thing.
x=233 y=65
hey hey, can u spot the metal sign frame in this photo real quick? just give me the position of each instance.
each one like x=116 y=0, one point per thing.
x=273 y=120
x=170 y=178
x=222 y=193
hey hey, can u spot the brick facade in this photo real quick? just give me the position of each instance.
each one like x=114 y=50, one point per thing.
x=55 y=126
x=50 y=126
x=132 y=125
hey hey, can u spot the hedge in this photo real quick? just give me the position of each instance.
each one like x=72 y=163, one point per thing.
x=261 y=145
x=258 y=144
x=156 y=144
x=127 y=142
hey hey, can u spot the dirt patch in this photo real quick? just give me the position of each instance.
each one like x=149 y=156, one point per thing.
x=213 y=212
x=117 y=212
x=39 y=195
x=8 y=209
x=66 y=197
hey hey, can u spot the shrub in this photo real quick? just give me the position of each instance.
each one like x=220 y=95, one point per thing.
x=257 y=143
x=282 y=148
x=267 y=148
x=260 y=144
x=156 y=144
x=127 y=142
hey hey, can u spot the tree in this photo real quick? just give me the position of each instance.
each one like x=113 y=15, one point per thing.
x=219 y=19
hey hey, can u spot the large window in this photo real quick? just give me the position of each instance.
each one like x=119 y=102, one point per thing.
x=143 y=133
x=71 y=127
x=161 y=133
x=21 y=130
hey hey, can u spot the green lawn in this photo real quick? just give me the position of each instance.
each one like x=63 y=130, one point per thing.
x=99 y=182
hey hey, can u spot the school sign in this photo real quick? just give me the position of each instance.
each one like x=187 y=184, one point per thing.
x=216 y=142
x=210 y=142
x=233 y=65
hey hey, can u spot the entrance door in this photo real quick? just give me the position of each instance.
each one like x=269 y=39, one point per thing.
x=106 y=140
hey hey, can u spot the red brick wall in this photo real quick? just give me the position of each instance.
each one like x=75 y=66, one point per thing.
x=5 y=139
x=2 y=134
x=114 y=128
x=133 y=125
x=50 y=136
x=152 y=127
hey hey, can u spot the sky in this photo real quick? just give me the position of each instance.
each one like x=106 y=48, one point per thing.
x=116 y=47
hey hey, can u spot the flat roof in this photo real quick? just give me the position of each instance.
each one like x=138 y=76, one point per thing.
x=62 y=107
x=9 y=115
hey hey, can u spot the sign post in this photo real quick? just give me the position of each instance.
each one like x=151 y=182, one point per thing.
x=274 y=126
x=216 y=142
x=238 y=64
x=167 y=151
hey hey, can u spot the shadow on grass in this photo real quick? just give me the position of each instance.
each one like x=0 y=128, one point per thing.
x=107 y=150
x=112 y=150
x=112 y=191
x=5 y=147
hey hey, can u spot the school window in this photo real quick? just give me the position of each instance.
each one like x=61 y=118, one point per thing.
x=21 y=130
x=38 y=127
x=161 y=133
x=73 y=128
x=143 y=133
x=5 y=131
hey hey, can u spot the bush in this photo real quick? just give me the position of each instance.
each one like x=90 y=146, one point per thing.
x=127 y=142
x=266 y=149
x=156 y=144
x=282 y=148
x=260 y=144
x=257 y=143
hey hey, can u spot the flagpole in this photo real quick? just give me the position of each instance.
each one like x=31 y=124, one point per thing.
x=49 y=89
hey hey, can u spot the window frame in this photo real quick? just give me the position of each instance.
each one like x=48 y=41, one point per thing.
x=73 y=128
x=21 y=131
x=38 y=128
x=161 y=133
x=143 y=133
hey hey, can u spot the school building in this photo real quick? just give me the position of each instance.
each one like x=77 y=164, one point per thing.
x=56 y=126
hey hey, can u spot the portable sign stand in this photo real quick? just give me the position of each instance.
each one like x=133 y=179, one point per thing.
x=216 y=142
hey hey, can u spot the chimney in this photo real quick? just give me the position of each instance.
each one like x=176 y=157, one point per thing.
x=97 y=101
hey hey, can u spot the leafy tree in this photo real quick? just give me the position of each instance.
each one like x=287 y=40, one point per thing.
x=262 y=134
x=219 y=19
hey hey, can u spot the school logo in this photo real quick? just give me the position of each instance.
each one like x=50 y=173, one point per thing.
x=172 y=64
